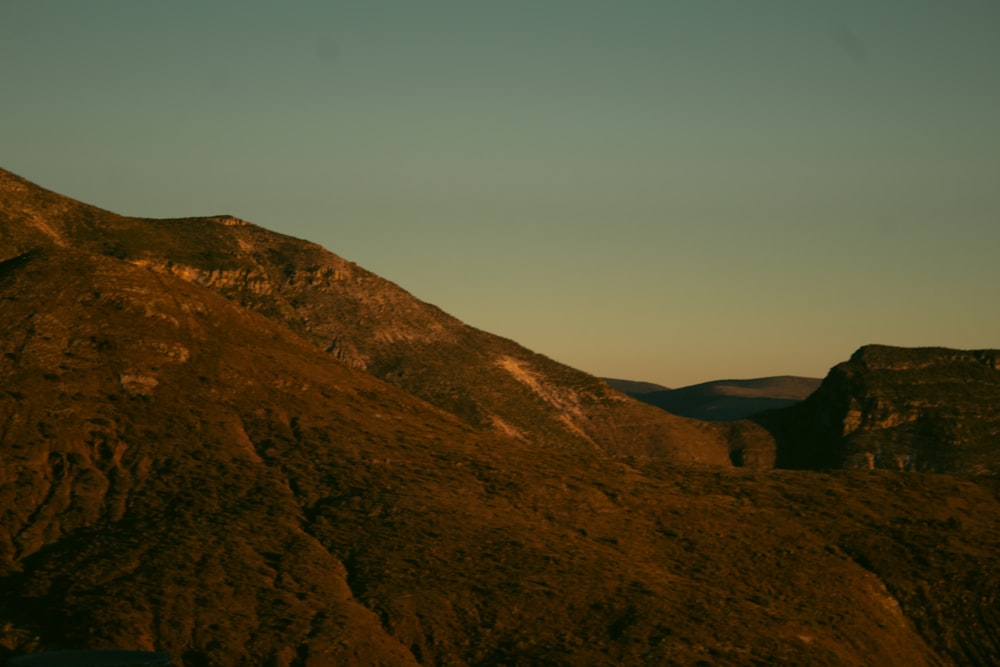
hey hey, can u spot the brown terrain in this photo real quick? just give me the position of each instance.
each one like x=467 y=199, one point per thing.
x=371 y=324
x=922 y=409
x=208 y=448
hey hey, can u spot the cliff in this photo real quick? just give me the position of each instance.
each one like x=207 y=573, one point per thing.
x=920 y=409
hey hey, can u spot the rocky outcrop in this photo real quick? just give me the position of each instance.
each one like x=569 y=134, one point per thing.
x=194 y=474
x=923 y=409
x=372 y=324
x=181 y=474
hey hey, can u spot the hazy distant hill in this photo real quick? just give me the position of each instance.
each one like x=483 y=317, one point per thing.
x=185 y=473
x=727 y=400
x=632 y=387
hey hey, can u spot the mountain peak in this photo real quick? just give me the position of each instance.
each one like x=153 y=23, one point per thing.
x=229 y=220
x=372 y=324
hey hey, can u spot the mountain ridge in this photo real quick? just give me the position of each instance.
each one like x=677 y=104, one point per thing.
x=633 y=387
x=731 y=400
x=373 y=324
x=186 y=473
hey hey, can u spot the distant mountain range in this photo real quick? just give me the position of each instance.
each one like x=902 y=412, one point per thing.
x=634 y=388
x=723 y=400
x=237 y=448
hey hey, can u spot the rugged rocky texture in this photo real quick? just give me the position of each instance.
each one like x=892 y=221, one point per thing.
x=730 y=400
x=185 y=474
x=920 y=409
x=138 y=508
x=182 y=474
x=372 y=324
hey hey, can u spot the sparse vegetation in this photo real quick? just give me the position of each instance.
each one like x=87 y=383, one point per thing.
x=264 y=503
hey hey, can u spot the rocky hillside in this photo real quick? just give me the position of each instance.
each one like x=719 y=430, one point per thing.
x=729 y=400
x=920 y=409
x=182 y=474
x=371 y=324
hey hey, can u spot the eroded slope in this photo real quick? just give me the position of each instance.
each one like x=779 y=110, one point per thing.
x=372 y=324
x=182 y=474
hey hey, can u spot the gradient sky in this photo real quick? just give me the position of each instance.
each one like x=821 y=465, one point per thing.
x=671 y=191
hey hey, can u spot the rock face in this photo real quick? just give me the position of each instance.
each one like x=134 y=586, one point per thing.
x=186 y=474
x=371 y=324
x=138 y=417
x=923 y=409
x=182 y=474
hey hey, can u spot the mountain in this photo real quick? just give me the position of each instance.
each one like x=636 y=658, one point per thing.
x=632 y=387
x=140 y=421
x=729 y=400
x=181 y=472
x=927 y=409
x=371 y=324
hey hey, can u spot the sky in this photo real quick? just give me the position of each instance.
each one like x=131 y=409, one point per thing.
x=668 y=191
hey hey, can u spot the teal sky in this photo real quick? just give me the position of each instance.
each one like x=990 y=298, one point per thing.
x=671 y=191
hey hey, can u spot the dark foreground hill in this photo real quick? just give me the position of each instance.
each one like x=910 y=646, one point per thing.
x=182 y=473
x=729 y=400
x=369 y=323
x=923 y=409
